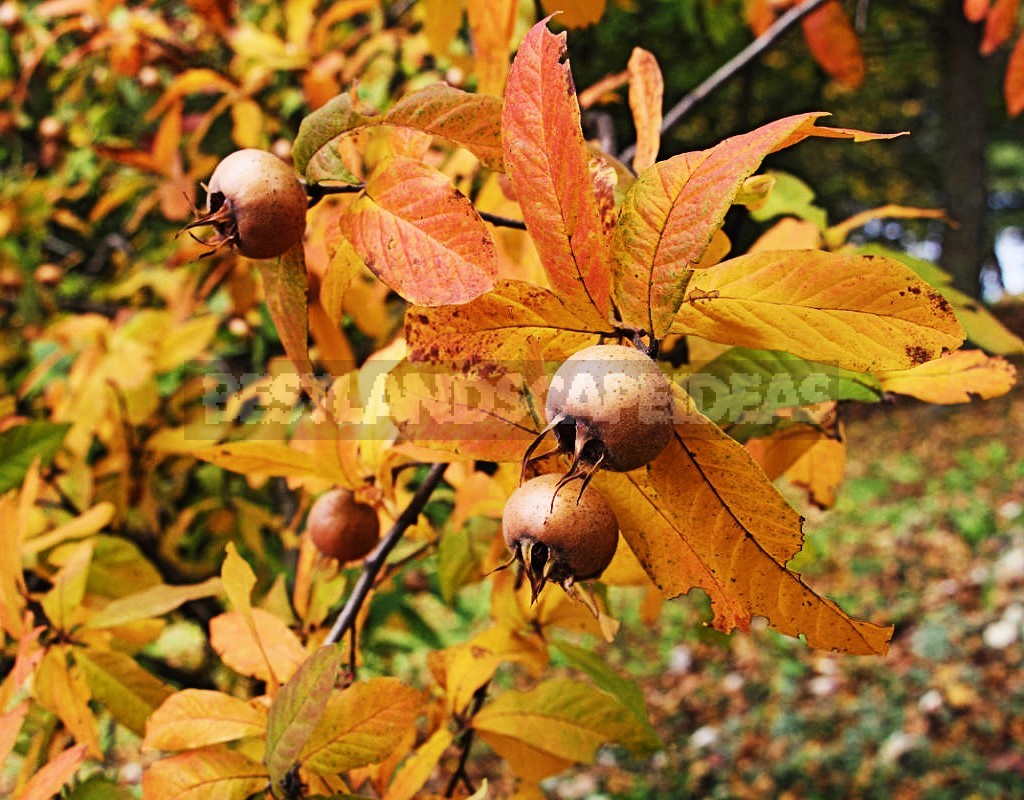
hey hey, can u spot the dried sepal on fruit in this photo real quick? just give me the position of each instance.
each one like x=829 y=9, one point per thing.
x=609 y=406
x=559 y=534
x=256 y=203
x=341 y=527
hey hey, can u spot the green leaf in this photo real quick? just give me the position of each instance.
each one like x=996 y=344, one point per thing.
x=22 y=444
x=297 y=709
x=790 y=196
x=750 y=386
x=461 y=553
x=123 y=687
x=622 y=689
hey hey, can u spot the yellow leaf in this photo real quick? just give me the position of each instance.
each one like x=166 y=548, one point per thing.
x=646 y=87
x=361 y=725
x=863 y=314
x=239 y=580
x=266 y=458
x=561 y=720
x=441 y=21
x=63 y=603
x=121 y=686
x=820 y=470
x=185 y=342
x=415 y=771
x=575 y=13
x=85 y=524
x=152 y=602
x=203 y=774
x=199 y=717
x=491 y=25
x=12 y=579
x=232 y=638
x=62 y=689
x=955 y=378
x=247 y=123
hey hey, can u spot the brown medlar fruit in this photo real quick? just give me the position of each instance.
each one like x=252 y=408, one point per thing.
x=342 y=527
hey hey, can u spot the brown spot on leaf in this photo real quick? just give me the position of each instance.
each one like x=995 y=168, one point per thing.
x=917 y=355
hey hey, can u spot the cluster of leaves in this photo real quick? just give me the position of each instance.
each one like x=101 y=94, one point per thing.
x=154 y=501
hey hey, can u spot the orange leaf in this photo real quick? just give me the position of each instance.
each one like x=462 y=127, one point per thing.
x=575 y=13
x=513 y=322
x=480 y=415
x=51 y=778
x=361 y=725
x=692 y=491
x=548 y=165
x=976 y=10
x=999 y=25
x=203 y=774
x=862 y=315
x=233 y=639
x=195 y=718
x=672 y=211
x=820 y=471
x=955 y=378
x=10 y=726
x=1013 y=83
x=760 y=15
x=834 y=44
x=646 y=88
x=420 y=235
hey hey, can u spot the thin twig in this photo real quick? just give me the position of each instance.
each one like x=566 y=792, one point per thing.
x=502 y=222
x=375 y=561
x=465 y=739
x=730 y=68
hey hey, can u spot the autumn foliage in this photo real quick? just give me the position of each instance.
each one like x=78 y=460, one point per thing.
x=158 y=584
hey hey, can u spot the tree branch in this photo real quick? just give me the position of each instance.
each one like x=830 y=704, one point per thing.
x=730 y=68
x=375 y=561
x=502 y=222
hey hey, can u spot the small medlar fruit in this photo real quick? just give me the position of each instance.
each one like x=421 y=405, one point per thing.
x=256 y=203
x=341 y=527
x=558 y=534
x=609 y=406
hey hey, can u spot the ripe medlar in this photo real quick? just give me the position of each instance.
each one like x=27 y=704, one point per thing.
x=609 y=406
x=558 y=534
x=256 y=203
x=342 y=527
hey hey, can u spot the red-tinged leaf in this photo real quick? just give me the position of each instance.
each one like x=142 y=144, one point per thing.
x=477 y=415
x=194 y=718
x=834 y=44
x=672 y=211
x=275 y=643
x=152 y=602
x=512 y=323
x=646 y=89
x=285 y=286
x=297 y=710
x=416 y=769
x=562 y=718
x=760 y=15
x=420 y=235
x=61 y=689
x=861 y=314
x=210 y=772
x=470 y=120
x=121 y=685
x=999 y=25
x=575 y=13
x=52 y=777
x=976 y=10
x=25 y=661
x=1013 y=83
x=361 y=725
x=548 y=164
x=10 y=726
x=708 y=532
x=958 y=377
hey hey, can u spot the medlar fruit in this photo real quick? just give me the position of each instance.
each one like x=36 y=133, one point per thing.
x=558 y=535
x=341 y=527
x=256 y=203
